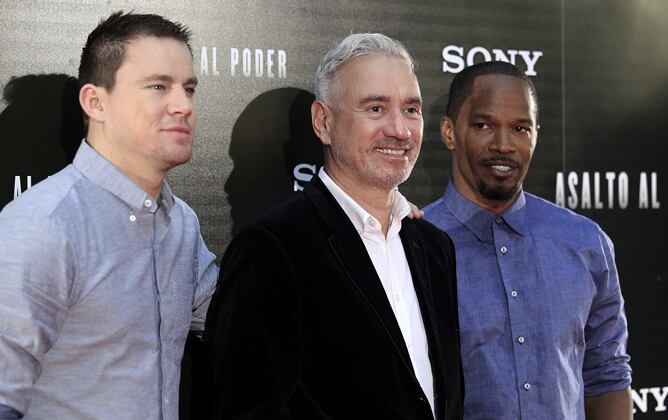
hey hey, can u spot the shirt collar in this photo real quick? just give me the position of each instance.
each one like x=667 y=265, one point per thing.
x=479 y=220
x=101 y=172
x=358 y=216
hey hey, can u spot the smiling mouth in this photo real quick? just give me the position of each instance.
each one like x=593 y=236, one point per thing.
x=501 y=168
x=396 y=152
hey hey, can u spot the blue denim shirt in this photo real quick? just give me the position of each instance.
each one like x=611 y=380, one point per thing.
x=540 y=308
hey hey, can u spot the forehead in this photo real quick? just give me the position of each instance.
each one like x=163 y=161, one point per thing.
x=379 y=75
x=151 y=55
x=500 y=95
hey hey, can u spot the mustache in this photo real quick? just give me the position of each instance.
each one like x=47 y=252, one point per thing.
x=500 y=159
x=390 y=143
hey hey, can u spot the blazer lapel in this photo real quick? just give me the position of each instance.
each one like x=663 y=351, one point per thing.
x=354 y=259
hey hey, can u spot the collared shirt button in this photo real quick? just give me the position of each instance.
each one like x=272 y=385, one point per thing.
x=133 y=218
x=498 y=220
x=513 y=293
x=148 y=203
x=397 y=296
x=520 y=339
x=527 y=386
x=504 y=249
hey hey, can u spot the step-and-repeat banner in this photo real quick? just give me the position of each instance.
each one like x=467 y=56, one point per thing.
x=600 y=67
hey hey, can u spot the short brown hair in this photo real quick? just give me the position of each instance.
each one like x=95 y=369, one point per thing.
x=105 y=47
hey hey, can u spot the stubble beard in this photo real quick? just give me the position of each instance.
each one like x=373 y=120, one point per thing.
x=372 y=173
x=387 y=177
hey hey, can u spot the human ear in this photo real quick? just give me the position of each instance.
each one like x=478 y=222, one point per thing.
x=91 y=99
x=320 y=118
x=448 y=133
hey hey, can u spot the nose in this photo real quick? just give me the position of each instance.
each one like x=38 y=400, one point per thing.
x=397 y=127
x=180 y=103
x=502 y=141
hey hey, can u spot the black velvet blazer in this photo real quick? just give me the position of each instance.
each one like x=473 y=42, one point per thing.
x=300 y=326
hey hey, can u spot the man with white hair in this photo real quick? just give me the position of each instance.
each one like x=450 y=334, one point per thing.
x=336 y=304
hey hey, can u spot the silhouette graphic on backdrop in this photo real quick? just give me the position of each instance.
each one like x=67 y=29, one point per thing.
x=40 y=129
x=275 y=153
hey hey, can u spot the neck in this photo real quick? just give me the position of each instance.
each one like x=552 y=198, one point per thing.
x=374 y=200
x=138 y=172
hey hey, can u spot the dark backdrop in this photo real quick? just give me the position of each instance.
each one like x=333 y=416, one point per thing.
x=599 y=66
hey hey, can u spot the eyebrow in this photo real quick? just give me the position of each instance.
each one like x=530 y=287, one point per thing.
x=416 y=100
x=167 y=79
x=374 y=98
x=383 y=98
x=489 y=116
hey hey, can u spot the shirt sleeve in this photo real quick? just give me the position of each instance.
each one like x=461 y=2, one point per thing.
x=37 y=273
x=606 y=365
x=207 y=277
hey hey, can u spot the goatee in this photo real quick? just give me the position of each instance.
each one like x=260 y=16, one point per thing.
x=497 y=192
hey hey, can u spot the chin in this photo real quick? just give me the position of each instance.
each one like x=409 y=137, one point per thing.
x=179 y=159
x=498 y=191
x=389 y=181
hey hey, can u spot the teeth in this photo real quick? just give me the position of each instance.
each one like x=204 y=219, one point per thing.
x=501 y=168
x=392 y=151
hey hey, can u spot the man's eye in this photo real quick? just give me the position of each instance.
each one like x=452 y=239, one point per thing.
x=157 y=87
x=413 y=110
x=375 y=109
x=190 y=90
x=480 y=125
x=520 y=129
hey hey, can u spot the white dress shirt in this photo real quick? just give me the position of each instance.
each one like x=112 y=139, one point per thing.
x=389 y=260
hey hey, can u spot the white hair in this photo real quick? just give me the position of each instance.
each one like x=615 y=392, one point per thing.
x=351 y=47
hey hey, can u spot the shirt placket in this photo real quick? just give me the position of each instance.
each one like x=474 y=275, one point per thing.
x=148 y=212
x=507 y=249
x=374 y=235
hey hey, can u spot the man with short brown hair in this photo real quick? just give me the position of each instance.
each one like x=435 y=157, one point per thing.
x=103 y=269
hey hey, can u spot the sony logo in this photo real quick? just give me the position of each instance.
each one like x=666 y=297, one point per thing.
x=456 y=58
x=303 y=172
x=641 y=399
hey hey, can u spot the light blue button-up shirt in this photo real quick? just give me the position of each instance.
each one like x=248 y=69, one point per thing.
x=100 y=284
x=540 y=308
